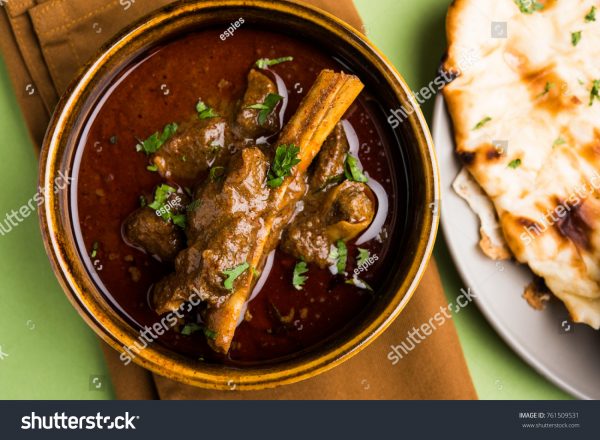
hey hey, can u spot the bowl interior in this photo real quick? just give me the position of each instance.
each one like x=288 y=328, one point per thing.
x=409 y=149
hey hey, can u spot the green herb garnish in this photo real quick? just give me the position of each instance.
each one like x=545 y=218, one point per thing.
x=591 y=16
x=549 y=86
x=266 y=108
x=263 y=63
x=210 y=334
x=361 y=284
x=514 y=164
x=363 y=256
x=161 y=197
x=204 y=111
x=529 y=6
x=216 y=173
x=286 y=157
x=558 y=141
x=94 y=250
x=299 y=279
x=152 y=168
x=595 y=92
x=482 y=123
x=192 y=327
x=155 y=141
x=179 y=220
x=575 y=38
x=233 y=273
x=113 y=140
x=352 y=170
x=143 y=201
x=338 y=254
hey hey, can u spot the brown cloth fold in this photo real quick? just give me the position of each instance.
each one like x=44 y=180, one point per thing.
x=44 y=42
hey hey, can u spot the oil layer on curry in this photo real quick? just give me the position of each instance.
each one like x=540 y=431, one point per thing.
x=241 y=190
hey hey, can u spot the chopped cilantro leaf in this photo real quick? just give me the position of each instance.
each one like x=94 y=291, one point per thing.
x=352 y=170
x=216 y=173
x=161 y=197
x=210 y=334
x=204 y=111
x=286 y=157
x=549 y=86
x=361 y=284
x=299 y=279
x=558 y=141
x=263 y=63
x=267 y=107
x=94 y=250
x=514 y=164
x=595 y=92
x=363 y=256
x=575 y=38
x=529 y=6
x=152 y=168
x=482 y=123
x=338 y=255
x=179 y=220
x=591 y=16
x=233 y=273
x=192 y=327
x=155 y=141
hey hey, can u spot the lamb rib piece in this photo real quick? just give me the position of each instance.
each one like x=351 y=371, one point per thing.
x=322 y=108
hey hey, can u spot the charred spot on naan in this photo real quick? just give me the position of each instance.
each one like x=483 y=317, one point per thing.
x=576 y=224
x=484 y=153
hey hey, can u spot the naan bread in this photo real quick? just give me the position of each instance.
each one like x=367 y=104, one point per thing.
x=534 y=95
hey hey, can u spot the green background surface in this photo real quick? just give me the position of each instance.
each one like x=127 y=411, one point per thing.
x=52 y=354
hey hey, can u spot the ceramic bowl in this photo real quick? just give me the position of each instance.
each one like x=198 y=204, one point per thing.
x=414 y=161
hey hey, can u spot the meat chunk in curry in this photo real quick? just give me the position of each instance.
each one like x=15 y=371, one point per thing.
x=143 y=228
x=193 y=149
x=255 y=116
x=255 y=198
x=222 y=232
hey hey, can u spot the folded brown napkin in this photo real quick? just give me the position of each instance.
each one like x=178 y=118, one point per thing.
x=44 y=42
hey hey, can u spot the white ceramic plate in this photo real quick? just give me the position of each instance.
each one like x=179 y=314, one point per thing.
x=567 y=354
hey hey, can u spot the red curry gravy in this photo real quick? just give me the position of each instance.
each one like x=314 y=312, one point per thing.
x=164 y=87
